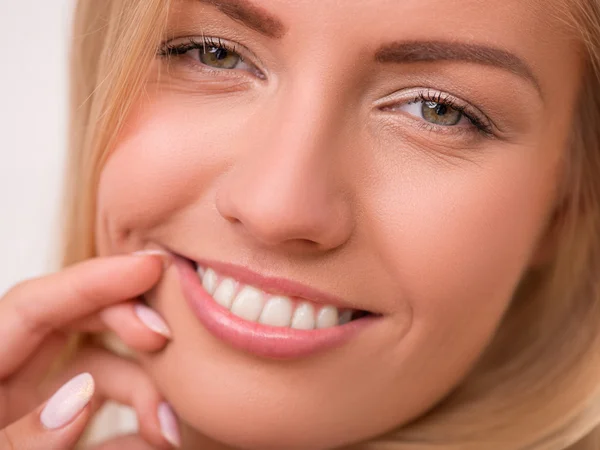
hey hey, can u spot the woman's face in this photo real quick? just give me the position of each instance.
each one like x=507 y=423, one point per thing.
x=398 y=158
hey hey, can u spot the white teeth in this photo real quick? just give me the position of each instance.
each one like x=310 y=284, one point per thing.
x=209 y=281
x=327 y=317
x=248 y=304
x=254 y=305
x=277 y=312
x=225 y=292
x=304 y=317
x=345 y=317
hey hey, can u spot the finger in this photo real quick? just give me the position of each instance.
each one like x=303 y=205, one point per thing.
x=56 y=425
x=130 y=442
x=25 y=386
x=89 y=324
x=41 y=360
x=138 y=326
x=34 y=308
x=126 y=383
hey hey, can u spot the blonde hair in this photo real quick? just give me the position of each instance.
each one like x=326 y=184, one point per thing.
x=537 y=386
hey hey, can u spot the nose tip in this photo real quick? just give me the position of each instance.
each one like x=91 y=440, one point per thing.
x=297 y=213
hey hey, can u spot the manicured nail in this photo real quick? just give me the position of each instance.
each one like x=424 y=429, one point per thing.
x=68 y=402
x=168 y=424
x=165 y=256
x=152 y=320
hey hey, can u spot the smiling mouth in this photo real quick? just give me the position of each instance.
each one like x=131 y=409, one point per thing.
x=267 y=316
x=253 y=304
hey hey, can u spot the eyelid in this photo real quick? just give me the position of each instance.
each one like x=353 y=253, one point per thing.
x=412 y=95
x=245 y=53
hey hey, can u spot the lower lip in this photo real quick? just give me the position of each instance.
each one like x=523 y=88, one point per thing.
x=255 y=338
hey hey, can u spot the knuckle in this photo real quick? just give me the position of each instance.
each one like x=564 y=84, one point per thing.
x=29 y=320
x=18 y=299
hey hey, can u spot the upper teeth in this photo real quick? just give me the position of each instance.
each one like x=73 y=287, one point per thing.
x=255 y=305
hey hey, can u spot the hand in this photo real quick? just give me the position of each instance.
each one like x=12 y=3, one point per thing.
x=36 y=318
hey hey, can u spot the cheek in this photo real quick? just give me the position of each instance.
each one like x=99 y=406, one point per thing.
x=165 y=163
x=456 y=239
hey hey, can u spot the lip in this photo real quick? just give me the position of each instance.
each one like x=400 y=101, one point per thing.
x=258 y=339
x=274 y=285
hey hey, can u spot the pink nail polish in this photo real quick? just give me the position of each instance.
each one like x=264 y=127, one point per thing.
x=168 y=424
x=68 y=402
x=152 y=320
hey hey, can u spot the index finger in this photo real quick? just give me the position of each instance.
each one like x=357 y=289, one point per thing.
x=37 y=307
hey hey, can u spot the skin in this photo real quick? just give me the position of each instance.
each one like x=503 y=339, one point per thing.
x=301 y=174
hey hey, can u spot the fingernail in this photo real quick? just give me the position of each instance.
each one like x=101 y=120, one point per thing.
x=152 y=320
x=166 y=256
x=68 y=402
x=168 y=424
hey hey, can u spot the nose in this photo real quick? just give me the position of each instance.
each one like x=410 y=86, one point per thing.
x=286 y=187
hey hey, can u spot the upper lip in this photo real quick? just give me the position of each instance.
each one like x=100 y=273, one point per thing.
x=273 y=285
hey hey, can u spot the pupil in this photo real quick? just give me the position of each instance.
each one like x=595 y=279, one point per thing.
x=441 y=110
x=220 y=54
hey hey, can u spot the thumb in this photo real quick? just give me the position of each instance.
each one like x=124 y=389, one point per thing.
x=58 y=424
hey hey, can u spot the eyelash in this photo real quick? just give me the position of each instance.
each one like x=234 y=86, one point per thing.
x=178 y=49
x=445 y=99
x=169 y=50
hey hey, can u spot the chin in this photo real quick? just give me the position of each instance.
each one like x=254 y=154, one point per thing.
x=243 y=417
x=251 y=403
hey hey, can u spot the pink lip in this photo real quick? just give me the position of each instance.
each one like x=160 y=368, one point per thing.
x=255 y=338
x=275 y=286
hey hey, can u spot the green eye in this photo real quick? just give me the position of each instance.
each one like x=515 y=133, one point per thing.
x=208 y=52
x=219 y=57
x=439 y=111
x=440 y=114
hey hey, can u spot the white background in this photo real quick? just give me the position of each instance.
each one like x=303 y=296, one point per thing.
x=34 y=37
x=34 y=41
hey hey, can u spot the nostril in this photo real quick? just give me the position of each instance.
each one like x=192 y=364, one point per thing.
x=233 y=220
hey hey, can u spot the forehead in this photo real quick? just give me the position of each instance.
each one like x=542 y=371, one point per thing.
x=515 y=24
x=386 y=16
x=389 y=14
